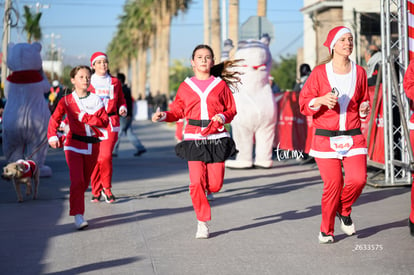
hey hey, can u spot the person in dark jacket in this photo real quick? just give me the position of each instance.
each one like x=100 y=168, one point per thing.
x=126 y=122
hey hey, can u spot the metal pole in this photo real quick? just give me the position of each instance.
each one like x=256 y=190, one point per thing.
x=223 y=21
x=384 y=50
x=52 y=36
x=5 y=42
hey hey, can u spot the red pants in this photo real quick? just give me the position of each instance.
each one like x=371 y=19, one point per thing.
x=102 y=174
x=412 y=185
x=80 y=170
x=336 y=196
x=412 y=201
x=204 y=177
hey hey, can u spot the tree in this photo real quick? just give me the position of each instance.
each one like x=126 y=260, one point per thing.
x=66 y=77
x=234 y=24
x=160 y=52
x=32 y=25
x=146 y=25
x=215 y=29
x=178 y=72
x=284 y=72
x=128 y=49
x=261 y=8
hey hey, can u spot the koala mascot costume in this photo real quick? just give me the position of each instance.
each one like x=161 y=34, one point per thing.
x=255 y=121
x=26 y=114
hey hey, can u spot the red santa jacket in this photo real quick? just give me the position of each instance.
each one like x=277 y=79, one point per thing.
x=344 y=116
x=192 y=103
x=408 y=85
x=86 y=118
x=112 y=96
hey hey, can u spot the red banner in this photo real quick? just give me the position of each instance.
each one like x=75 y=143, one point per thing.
x=293 y=130
x=376 y=142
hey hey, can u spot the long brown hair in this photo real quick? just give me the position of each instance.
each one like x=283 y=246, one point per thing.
x=224 y=69
x=76 y=69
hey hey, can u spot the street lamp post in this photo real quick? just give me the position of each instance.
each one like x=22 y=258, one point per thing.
x=5 y=42
x=53 y=36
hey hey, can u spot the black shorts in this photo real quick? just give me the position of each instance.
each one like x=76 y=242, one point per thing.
x=208 y=151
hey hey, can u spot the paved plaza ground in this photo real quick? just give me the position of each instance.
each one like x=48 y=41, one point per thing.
x=264 y=221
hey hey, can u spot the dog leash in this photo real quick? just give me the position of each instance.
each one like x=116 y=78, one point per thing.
x=37 y=149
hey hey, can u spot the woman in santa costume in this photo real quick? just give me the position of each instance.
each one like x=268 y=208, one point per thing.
x=87 y=119
x=408 y=84
x=109 y=89
x=336 y=97
x=206 y=103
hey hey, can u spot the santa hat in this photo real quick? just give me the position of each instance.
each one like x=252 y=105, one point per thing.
x=334 y=35
x=98 y=55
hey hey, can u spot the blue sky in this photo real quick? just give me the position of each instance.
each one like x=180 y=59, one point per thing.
x=81 y=27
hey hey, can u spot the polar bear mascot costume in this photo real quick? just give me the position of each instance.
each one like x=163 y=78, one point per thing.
x=26 y=114
x=255 y=122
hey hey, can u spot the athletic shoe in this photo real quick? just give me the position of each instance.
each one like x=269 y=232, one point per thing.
x=347 y=226
x=411 y=225
x=108 y=196
x=80 y=223
x=325 y=238
x=96 y=198
x=210 y=196
x=202 y=230
x=140 y=152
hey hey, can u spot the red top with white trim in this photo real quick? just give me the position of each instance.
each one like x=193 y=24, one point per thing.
x=193 y=103
x=345 y=115
x=409 y=90
x=109 y=89
x=86 y=117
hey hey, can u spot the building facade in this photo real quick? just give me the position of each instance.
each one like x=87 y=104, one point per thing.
x=361 y=16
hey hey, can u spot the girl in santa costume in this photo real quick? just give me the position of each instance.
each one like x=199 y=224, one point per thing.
x=336 y=97
x=408 y=84
x=206 y=103
x=109 y=89
x=85 y=113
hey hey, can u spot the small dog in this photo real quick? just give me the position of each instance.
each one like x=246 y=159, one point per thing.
x=23 y=172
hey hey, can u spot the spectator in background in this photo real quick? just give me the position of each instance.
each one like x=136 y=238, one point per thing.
x=60 y=92
x=126 y=122
x=275 y=88
x=373 y=57
x=1 y=107
x=304 y=72
x=150 y=102
x=161 y=101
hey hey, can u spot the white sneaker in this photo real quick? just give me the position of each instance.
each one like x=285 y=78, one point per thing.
x=210 y=197
x=202 y=230
x=347 y=225
x=325 y=238
x=80 y=222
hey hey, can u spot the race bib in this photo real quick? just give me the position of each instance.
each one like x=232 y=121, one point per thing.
x=341 y=144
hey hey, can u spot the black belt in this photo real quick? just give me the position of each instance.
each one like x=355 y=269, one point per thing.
x=200 y=123
x=86 y=138
x=328 y=133
x=112 y=114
